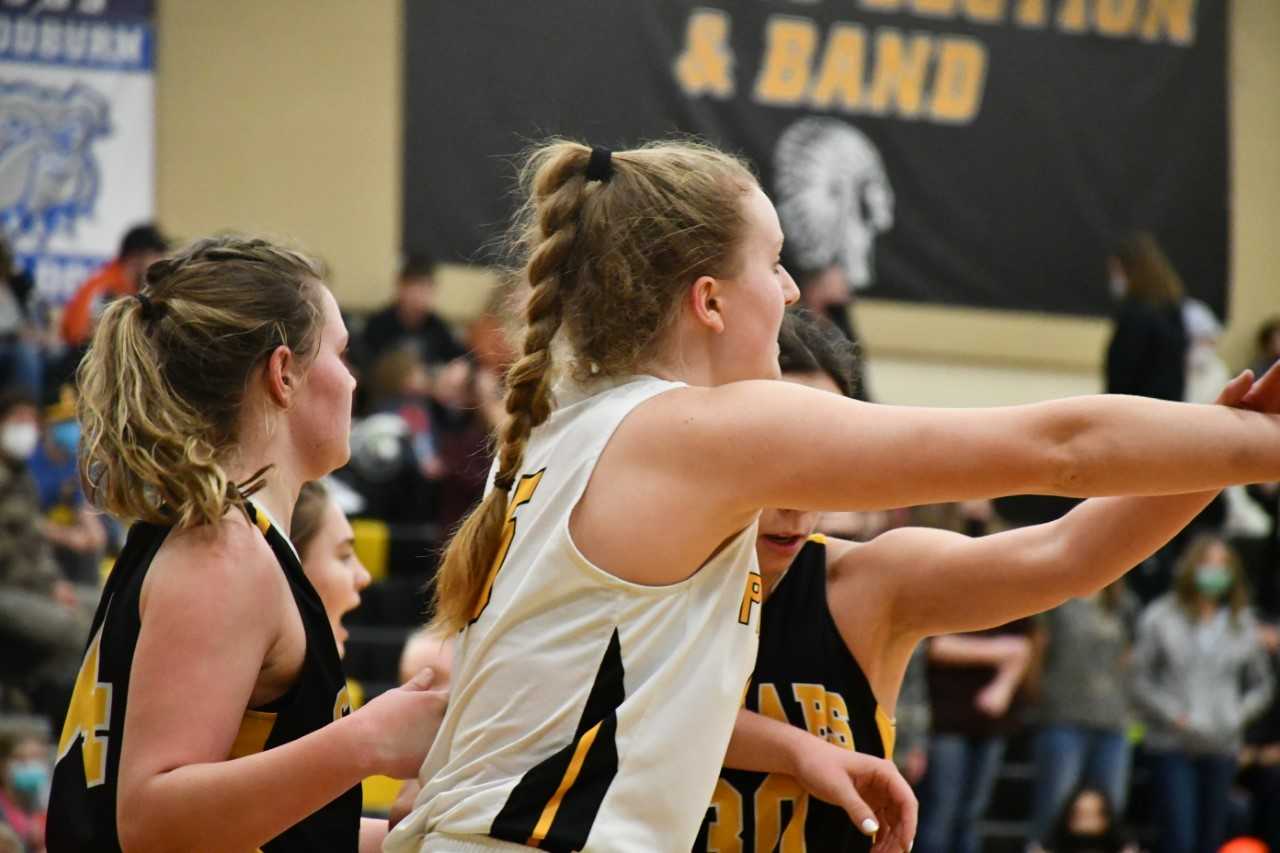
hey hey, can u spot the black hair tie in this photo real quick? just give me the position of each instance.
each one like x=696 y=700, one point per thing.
x=600 y=166
x=150 y=310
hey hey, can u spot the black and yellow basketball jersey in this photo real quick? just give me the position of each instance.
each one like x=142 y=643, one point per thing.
x=82 y=803
x=805 y=676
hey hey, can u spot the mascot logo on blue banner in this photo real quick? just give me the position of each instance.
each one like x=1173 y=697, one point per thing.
x=834 y=197
x=49 y=177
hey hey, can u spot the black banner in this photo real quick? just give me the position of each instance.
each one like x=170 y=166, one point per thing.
x=972 y=152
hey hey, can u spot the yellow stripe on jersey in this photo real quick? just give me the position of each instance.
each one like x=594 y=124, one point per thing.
x=255 y=728
x=264 y=523
x=888 y=731
x=523 y=494
x=88 y=719
x=570 y=776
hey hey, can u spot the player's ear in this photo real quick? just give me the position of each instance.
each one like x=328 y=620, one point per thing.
x=704 y=302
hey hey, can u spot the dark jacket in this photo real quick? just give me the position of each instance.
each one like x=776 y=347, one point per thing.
x=1147 y=356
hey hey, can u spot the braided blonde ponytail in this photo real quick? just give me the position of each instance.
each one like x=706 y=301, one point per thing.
x=557 y=186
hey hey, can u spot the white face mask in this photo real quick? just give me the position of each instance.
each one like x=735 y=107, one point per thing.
x=18 y=441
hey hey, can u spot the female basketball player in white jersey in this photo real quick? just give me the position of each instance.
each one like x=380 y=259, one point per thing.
x=210 y=712
x=606 y=587
x=841 y=619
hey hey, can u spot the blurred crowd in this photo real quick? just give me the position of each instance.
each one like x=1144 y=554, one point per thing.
x=1147 y=710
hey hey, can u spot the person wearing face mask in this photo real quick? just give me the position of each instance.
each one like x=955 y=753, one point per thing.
x=24 y=786
x=1200 y=674
x=42 y=620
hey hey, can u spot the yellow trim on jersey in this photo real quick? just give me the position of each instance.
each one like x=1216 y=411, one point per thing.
x=888 y=731
x=255 y=728
x=548 y=815
x=260 y=519
x=88 y=719
x=818 y=538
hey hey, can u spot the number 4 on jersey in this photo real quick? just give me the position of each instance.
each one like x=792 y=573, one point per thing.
x=88 y=715
x=522 y=495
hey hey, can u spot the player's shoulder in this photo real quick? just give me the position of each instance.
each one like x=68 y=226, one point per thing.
x=210 y=562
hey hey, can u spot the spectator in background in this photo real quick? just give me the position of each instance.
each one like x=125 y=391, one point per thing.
x=1268 y=343
x=1083 y=711
x=141 y=246
x=1207 y=373
x=1260 y=763
x=465 y=408
x=1200 y=674
x=21 y=360
x=43 y=621
x=973 y=679
x=489 y=335
x=1267 y=497
x=77 y=533
x=913 y=719
x=411 y=319
x=401 y=385
x=827 y=293
x=25 y=769
x=327 y=550
x=1089 y=824
x=1148 y=350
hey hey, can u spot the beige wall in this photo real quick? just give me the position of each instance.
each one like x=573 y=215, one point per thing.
x=284 y=116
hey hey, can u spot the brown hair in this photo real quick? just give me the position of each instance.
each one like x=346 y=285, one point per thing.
x=163 y=383
x=308 y=514
x=1151 y=276
x=390 y=373
x=807 y=344
x=609 y=260
x=1184 y=582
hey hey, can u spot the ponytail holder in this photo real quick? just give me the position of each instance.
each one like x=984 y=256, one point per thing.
x=600 y=166
x=150 y=310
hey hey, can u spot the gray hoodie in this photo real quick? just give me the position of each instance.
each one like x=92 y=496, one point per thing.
x=1214 y=674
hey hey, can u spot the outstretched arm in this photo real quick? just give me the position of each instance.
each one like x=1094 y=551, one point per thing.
x=924 y=573
x=781 y=444
x=700 y=463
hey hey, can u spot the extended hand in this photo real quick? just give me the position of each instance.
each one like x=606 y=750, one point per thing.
x=1260 y=395
x=870 y=790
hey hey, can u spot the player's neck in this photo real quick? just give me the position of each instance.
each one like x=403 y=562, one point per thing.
x=689 y=365
x=281 y=483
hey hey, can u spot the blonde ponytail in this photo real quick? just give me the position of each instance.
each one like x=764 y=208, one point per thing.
x=608 y=261
x=161 y=387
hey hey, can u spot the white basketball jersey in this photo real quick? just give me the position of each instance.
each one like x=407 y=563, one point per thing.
x=586 y=712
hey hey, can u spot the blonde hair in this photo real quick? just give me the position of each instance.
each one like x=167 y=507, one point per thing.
x=608 y=261
x=163 y=383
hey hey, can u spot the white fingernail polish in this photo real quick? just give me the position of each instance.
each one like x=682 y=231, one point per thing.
x=869 y=826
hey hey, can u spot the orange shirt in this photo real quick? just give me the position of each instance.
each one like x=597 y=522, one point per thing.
x=81 y=311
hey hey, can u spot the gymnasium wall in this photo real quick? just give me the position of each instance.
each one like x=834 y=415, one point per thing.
x=284 y=117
